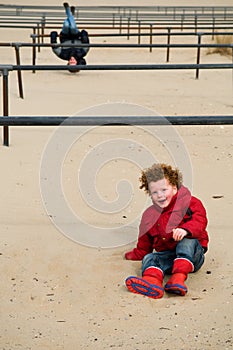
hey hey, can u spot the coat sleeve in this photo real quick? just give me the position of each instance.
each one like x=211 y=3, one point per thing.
x=196 y=225
x=144 y=246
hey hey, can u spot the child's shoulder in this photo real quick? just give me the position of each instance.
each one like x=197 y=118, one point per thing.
x=196 y=202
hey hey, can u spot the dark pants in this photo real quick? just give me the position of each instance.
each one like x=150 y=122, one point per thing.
x=186 y=248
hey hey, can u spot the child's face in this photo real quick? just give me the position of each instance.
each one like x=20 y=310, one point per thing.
x=161 y=192
x=72 y=61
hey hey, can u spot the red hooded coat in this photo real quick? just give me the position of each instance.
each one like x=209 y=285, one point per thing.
x=155 y=231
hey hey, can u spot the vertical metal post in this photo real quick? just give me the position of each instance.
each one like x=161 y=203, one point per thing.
x=5 y=105
x=128 y=30
x=34 y=49
x=198 y=54
x=42 y=28
x=120 y=25
x=232 y=62
x=213 y=28
x=151 y=36
x=182 y=22
x=168 y=43
x=195 y=23
x=174 y=13
x=38 y=36
x=139 y=32
x=19 y=73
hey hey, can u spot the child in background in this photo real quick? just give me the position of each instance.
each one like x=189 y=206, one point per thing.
x=172 y=234
x=71 y=35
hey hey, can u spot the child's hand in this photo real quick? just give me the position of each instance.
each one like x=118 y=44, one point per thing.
x=179 y=234
x=130 y=255
x=133 y=256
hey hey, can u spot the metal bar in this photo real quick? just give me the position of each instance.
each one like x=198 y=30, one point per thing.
x=120 y=25
x=128 y=66
x=182 y=22
x=168 y=43
x=5 y=107
x=123 y=45
x=151 y=36
x=195 y=21
x=115 y=120
x=38 y=36
x=33 y=50
x=101 y=8
x=128 y=30
x=213 y=30
x=139 y=32
x=19 y=74
x=144 y=34
x=198 y=54
x=43 y=21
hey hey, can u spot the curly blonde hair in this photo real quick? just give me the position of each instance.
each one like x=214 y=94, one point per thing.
x=158 y=172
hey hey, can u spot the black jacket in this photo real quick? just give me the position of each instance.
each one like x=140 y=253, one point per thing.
x=66 y=52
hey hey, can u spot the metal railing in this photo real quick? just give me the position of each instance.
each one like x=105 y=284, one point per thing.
x=168 y=46
x=115 y=120
x=7 y=121
x=129 y=18
x=23 y=10
x=6 y=68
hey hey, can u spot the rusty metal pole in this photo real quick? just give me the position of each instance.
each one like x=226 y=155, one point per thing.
x=198 y=54
x=168 y=43
x=19 y=73
x=182 y=21
x=151 y=36
x=128 y=29
x=38 y=36
x=120 y=25
x=232 y=61
x=195 y=23
x=43 y=21
x=139 y=32
x=5 y=69
x=213 y=27
x=34 y=49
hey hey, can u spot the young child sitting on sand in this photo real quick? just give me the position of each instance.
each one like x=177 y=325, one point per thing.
x=175 y=227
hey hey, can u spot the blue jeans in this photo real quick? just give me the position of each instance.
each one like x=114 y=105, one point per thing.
x=69 y=25
x=186 y=248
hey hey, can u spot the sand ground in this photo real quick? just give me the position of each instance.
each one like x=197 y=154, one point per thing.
x=57 y=292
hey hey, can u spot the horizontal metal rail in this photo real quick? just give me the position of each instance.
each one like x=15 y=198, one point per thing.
x=121 y=21
x=91 y=26
x=119 y=10
x=122 y=45
x=6 y=68
x=118 y=45
x=151 y=33
x=158 y=8
x=115 y=120
x=133 y=17
x=123 y=67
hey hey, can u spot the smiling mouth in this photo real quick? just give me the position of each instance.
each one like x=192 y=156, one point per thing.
x=162 y=201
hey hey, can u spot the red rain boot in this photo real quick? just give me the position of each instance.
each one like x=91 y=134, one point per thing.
x=150 y=284
x=175 y=284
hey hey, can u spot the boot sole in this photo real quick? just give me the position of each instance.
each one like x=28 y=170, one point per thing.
x=139 y=286
x=176 y=289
